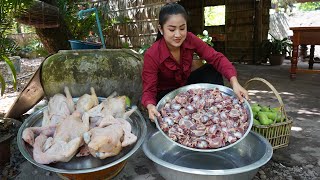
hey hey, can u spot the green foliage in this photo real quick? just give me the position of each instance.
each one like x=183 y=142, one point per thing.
x=214 y=15
x=309 y=6
x=143 y=49
x=280 y=5
x=14 y=76
x=206 y=38
x=8 y=9
x=125 y=45
x=33 y=48
x=276 y=46
x=8 y=46
x=79 y=28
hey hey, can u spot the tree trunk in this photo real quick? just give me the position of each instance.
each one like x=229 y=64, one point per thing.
x=55 y=39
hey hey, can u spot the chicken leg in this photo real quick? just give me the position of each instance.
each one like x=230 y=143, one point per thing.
x=65 y=142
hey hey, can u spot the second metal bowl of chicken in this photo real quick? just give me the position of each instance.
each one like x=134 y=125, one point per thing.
x=87 y=164
x=225 y=92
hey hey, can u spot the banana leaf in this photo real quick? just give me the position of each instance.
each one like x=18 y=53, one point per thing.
x=14 y=74
x=3 y=84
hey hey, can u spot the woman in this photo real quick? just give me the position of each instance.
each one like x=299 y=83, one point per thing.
x=167 y=63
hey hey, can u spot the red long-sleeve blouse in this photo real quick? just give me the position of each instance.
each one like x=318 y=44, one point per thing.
x=161 y=72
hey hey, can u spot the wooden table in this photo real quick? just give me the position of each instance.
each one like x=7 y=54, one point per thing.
x=307 y=36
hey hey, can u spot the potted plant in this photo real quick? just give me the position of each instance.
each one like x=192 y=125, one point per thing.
x=206 y=38
x=197 y=62
x=276 y=49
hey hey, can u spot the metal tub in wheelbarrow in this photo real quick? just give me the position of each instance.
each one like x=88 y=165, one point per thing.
x=239 y=162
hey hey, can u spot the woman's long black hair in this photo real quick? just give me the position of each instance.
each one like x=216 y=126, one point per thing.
x=166 y=11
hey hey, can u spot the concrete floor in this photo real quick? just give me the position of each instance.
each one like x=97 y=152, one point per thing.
x=301 y=98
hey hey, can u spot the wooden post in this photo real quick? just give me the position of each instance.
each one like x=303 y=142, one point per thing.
x=311 y=61
x=294 y=59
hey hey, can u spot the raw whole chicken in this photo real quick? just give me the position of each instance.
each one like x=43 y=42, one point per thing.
x=65 y=142
x=59 y=107
x=110 y=136
x=104 y=142
x=86 y=102
x=112 y=106
x=29 y=134
x=86 y=127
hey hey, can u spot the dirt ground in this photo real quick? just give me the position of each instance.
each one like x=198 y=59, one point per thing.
x=27 y=68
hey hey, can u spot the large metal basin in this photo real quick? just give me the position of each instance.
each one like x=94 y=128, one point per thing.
x=225 y=91
x=240 y=162
x=88 y=164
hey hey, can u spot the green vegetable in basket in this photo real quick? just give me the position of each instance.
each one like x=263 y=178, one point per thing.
x=263 y=118
x=265 y=109
x=271 y=115
x=276 y=109
x=255 y=108
x=254 y=114
x=256 y=122
x=255 y=104
x=280 y=118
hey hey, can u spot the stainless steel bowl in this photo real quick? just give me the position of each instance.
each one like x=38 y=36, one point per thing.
x=235 y=163
x=225 y=91
x=78 y=165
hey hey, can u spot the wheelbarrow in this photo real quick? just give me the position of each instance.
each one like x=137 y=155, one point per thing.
x=80 y=70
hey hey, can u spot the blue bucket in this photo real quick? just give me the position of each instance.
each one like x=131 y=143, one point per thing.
x=77 y=44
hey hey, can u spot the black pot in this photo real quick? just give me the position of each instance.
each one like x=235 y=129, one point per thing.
x=276 y=59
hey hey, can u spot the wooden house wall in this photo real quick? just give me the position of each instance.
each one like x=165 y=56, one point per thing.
x=135 y=22
x=246 y=25
x=195 y=14
x=239 y=29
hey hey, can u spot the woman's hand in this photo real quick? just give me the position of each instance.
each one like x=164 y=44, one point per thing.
x=152 y=111
x=238 y=89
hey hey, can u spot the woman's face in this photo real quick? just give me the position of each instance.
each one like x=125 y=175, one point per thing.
x=174 y=31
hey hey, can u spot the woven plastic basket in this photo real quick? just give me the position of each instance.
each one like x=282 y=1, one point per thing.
x=277 y=133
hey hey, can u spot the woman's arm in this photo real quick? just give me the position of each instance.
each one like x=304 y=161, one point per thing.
x=213 y=57
x=221 y=64
x=238 y=89
x=150 y=80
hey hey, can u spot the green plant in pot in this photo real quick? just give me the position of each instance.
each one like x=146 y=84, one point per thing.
x=197 y=62
x=276 y=49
